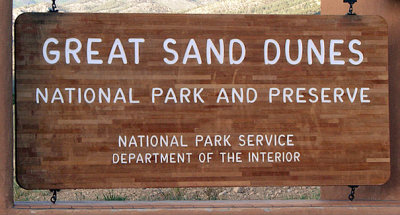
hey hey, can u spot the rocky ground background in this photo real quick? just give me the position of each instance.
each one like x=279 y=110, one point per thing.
x=159 y=194
x=172 y=6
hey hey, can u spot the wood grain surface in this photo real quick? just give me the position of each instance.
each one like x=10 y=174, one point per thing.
x=73 y=145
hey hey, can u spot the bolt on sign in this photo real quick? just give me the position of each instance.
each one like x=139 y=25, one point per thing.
x=167 y=100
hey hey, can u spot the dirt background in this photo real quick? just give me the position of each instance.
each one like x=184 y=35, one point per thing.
x=160 y=194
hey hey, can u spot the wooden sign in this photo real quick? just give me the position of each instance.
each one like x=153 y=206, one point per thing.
x=160 y=100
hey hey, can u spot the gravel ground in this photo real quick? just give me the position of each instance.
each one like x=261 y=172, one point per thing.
x=159 y=194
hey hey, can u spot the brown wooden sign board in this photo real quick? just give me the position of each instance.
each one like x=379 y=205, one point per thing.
x=160 y=100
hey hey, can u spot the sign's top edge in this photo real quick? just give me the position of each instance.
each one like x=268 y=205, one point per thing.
x=194 y=14
x=35 y=14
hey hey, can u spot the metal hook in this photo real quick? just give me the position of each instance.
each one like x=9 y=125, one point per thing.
x=53 y=199
x=351 y=2
x=352 y=192
x=53 y=7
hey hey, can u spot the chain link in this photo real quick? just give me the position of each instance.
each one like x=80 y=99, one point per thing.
x=351 y=2
x=53 y=7
x=351 y=10
x=352 y=192
x=53 y=198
